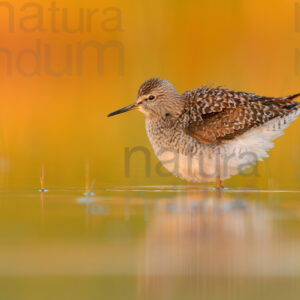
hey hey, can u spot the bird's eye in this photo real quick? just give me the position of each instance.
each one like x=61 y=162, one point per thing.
x=151 y=97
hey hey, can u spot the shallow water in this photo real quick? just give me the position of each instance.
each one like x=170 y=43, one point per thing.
x=150 y=242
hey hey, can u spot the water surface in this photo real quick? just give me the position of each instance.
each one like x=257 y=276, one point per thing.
x=150 y=242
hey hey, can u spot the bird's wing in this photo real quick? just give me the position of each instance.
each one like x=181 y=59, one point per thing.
x=215 y=115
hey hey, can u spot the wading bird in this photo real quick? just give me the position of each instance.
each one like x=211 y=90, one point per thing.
x=209 y=134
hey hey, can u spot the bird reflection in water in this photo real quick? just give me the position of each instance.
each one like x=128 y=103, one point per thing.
x=211 y=241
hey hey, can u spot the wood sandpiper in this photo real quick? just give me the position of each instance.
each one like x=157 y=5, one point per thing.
x=210 y=133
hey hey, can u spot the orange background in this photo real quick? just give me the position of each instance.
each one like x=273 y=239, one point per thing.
x=61 y=121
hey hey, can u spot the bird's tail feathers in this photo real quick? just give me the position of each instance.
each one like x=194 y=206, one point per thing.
x=293 y=105
x=290 y=97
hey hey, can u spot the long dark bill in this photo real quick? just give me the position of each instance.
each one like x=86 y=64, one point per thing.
x=122 y=110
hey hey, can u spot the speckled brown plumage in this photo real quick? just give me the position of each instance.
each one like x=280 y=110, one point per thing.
x=152 y=84
x=213 y=115
x=208 y=133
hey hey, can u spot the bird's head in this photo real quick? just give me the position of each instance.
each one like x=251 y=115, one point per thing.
x=156 y=97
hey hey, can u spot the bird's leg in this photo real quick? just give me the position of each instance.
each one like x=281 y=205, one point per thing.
x=219 y=183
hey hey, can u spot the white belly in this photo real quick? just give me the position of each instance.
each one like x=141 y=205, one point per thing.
x=225 y=160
